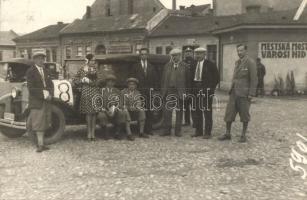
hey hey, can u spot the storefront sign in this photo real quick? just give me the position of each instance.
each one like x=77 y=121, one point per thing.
x=116 y=49
x=283 y=50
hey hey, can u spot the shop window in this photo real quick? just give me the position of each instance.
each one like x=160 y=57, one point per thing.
x=68 y=52
x=212 y=53
x=130 y=7
x=88 y=50
x=48 y=55
x=79 y=51
x=159 y=50
x=168 y=49
x=54 y=55
x=1 y=55
x=100 y=50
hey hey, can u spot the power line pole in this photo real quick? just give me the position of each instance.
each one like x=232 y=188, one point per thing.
x=300 y=10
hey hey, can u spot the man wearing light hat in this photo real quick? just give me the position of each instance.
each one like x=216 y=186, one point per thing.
x=204 y=79
x=40 y=93
x=174 y=84
x=112 y=105
x=134 y=107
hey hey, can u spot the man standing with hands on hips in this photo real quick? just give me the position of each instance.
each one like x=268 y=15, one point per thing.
x=243 y=88
x=40 y=89
x=205 y=77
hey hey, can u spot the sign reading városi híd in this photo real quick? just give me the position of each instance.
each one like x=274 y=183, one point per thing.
x=283 y=50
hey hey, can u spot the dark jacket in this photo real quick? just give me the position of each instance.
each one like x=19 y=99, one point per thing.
x=148 y=80
x=210 y=75
x=36 y=86
x=183 y=82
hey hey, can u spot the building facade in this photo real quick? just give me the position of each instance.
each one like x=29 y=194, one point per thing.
x=46 y=38
x=111 y=27
x=7 y=45
x=196 y=32
x=236 y=7
x=275 y=38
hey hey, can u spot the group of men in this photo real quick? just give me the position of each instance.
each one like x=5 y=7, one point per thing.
x=186 y=84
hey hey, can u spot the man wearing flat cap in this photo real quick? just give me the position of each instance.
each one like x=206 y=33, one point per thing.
x=147 y=74
x=174 y=84
x=134 y=107
x=204 y=79
x=40 y=89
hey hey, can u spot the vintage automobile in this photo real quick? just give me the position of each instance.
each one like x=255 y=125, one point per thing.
x=65 y=103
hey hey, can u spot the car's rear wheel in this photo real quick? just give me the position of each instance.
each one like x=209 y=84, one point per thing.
x=12 y=132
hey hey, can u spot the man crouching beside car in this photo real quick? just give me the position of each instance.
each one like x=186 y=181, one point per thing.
x=40 y=93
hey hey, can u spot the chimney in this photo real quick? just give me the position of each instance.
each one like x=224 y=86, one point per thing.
x=181 y=7
x=88 y=14
x=174 y=4
x=60 y=23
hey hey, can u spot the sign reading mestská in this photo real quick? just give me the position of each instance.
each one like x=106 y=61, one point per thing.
x=283 y=50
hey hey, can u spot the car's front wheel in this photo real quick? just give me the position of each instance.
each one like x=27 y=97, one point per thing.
x=56 y=131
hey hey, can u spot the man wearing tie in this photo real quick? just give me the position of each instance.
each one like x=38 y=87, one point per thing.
x=205 y=78
x=40 y=89
x=243 y=88
x=147 y=75
x=175 y=81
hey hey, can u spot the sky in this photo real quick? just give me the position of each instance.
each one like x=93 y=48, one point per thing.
x=24 y=16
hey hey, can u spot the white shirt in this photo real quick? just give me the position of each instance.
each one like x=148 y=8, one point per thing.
x=200 y=64
x=41 y=72
x=144 y=65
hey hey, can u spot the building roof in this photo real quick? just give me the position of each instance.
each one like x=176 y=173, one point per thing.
x=6 y=38
x=183 y=25
x=108 y=24
x=47 y=32
x=269 y=19
x=198 y=9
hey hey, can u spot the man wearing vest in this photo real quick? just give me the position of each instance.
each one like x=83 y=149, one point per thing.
x=205 y=77
x=243 y=88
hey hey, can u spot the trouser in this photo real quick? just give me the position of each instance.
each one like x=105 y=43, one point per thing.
x=187 y=112
x=203 y=109
x=149 y=113
x=237 y=105
x=169 y=107
x=260 y=87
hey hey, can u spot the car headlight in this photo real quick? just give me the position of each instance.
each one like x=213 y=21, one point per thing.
x=14 y=92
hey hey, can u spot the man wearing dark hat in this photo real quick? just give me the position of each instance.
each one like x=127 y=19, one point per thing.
x=189 y=60
x=113 y=110
x=174 y=84
x=133 y=105
x=147 y=75
x=40 y=89
x=205 y=77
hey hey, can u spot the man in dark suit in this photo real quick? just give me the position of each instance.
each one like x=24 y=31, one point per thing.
x=40 y=89
x=147 y=75
x=189 y=60
x=204 y=78
x=260 y=73
x=243 y=88
x=174 y=84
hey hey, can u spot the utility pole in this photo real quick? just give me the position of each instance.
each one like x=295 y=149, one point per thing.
x=300 y=10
